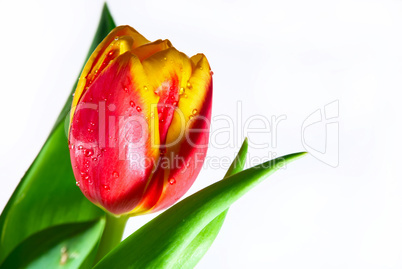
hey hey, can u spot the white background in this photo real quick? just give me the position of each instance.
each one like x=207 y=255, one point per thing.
x=278 y=58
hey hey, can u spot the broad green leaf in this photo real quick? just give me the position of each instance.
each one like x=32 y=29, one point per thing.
x=194 y=252
x=47 y=195
x=67 y=247
x=161 y=242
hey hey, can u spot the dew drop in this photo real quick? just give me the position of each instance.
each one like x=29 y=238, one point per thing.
x=115 y=174
x=172 y=181
x=145 y=88
x=116 y=38
x=80 y=147
x=181 y=91
x=90 y=182
x=125 y=89
x=106 y=187
x=77 y=183
x=191 y=117
x=132 y=103
x=188 y=85
x=195 y=111
x=138 y=109
x=88 y=152
x=164 y=59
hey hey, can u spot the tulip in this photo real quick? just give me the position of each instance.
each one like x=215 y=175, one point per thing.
x=139 y=123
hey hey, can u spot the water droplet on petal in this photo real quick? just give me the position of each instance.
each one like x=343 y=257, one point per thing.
x=88 y=152
x=145 y=88
x=181 y=91
x=80 y=147
x=106 y=187
x=195 y=111
x=132 y=103
x=77 y=183
x=115 y=174
x=188 y=85
x=138 y=109
x=172 y=181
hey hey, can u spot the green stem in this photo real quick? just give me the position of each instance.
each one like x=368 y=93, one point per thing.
x=112 y=235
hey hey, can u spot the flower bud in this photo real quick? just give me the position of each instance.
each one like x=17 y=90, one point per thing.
x=139 y=123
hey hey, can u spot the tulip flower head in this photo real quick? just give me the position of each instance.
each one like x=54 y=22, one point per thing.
x=139 y=123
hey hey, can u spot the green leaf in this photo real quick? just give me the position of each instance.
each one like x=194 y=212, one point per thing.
x=194 y=252
x=67 y=246
x=47 y=196
x=161 y=242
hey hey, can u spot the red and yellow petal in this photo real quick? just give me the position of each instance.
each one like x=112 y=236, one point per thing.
x=111 y=136
x=120 y=40
x=188 y=130
x=191 y=150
